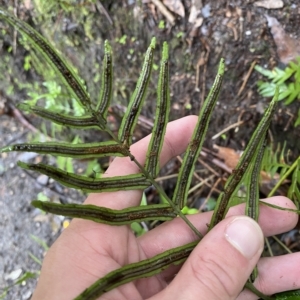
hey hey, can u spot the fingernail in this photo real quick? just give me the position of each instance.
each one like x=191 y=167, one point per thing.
x=245 y=235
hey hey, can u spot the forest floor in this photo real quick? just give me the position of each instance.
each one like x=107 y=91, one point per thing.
x=236 y=30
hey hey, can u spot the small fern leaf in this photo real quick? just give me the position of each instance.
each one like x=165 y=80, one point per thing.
x=193 y=150
x=161 y=116
x=86 y=184
x=235 y=178
x=161 y=212
x=106 y=86
x=136 y=101
x=73 y=82
x=82 y=122
x=294 y=90
x=287 y=73
x=267 y=73
x=86 y=150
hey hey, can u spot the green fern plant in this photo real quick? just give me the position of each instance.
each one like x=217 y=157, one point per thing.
x=95 y=115
x=288 y=81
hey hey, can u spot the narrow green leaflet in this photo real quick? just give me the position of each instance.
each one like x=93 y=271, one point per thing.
x=106 y=87
x=235 y=178
x=73 y=82
x=136 y=101
x=128 y=182
x=194 y=148
x=142 y=269
x=279 y=207
x=160 y=212
x=86 y=150
x=82 y=122
x=252 y=197
x=161 y=116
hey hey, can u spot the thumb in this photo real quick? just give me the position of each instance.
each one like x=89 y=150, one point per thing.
x=220 y=265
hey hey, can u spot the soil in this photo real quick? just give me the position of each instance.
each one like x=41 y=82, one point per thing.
x=236 y=30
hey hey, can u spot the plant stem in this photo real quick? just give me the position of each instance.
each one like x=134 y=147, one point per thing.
x=285 y=175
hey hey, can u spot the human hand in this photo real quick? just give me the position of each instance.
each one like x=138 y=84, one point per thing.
x=217 y=268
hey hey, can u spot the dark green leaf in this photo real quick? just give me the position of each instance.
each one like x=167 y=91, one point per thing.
x=86 y=150
x=128 y=182
x=98 y=214
x=161 y=116
x=136 y=101
x=82 y=122
x=194 y=148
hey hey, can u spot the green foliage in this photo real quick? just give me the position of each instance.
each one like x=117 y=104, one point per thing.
x=275 y=165
x=161 y=24
x=288 y=81
x=94 y=115
x=41 y=243
x=274 y=161
x=294 y=190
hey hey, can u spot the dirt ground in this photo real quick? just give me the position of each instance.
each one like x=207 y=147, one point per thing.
x=236 y=30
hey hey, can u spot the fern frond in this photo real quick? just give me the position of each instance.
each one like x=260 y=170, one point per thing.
x=95 y=116
x=287 y=80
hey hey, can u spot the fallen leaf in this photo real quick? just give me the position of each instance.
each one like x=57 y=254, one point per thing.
x=229 y=155
x=287 y=48
x=269 y=4
x=196 y=19
x=162 y=8
x=41 y=218
x=175 y=6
